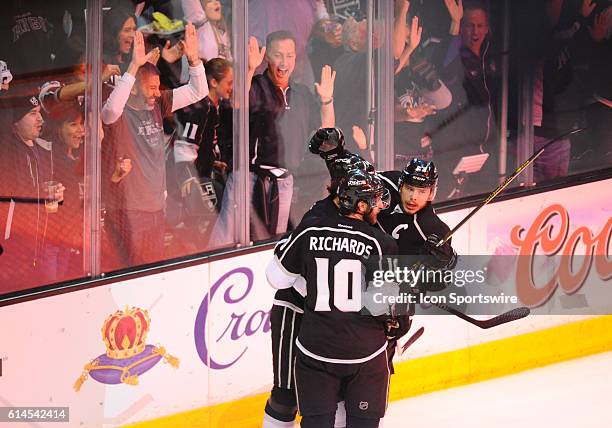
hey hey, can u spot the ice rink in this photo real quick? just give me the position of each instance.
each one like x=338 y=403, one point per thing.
x=574 y=393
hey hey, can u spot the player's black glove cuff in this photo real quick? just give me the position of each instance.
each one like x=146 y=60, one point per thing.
x=442 y=257
x=396 y=327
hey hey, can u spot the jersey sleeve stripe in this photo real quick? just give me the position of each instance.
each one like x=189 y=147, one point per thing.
x=300 y=285
x=288 y=305
x=381 y=227
x=391 y=183
x=281 y=244
x=280 y=349
x=416 y=224
x=290 y=371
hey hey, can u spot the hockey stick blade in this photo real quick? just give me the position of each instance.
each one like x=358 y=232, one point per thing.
x=412 y=339
x=511 y=315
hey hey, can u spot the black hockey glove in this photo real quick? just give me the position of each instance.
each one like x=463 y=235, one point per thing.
x=442 y=257
x=396 y=327
x=327 y=143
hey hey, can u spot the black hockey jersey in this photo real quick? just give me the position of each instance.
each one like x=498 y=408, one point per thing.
x=198 y=128
x=322 y=208
x=411 y=230
x=324 y=260
x=289 y=296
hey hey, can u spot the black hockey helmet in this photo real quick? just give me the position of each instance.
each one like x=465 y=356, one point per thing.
x=327 y=143
x=359 y=185
x=344 y=163
x=340 y=166
x=419 y=173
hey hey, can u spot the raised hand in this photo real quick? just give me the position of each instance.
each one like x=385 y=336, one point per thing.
x=153 y=56
x=455 y=9
x=360 y=137
x=600 y=25
x=587 y=7
x=325 y=89
x=402 y=5
x=412 y=42
x=415 y=34
x=190 y=45
x=256 y=55
x=139 y=57
x=171 y=54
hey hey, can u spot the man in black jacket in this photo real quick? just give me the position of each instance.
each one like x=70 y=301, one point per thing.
x=282 y=113
x=25 y=166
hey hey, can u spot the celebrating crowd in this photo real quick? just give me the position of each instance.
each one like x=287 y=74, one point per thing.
x=168 y=186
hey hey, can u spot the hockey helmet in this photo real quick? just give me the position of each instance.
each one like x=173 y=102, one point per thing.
x=419 y=173
x=340 y=167
x=359 y=185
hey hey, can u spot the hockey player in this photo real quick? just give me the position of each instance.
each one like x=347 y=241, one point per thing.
x=288 y=307
x=329 y=144
x=338 y=168
x=323 y=259
x=413 y=223
x=417 y=230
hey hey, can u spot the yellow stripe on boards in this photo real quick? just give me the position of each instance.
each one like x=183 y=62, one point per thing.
x=435 y=372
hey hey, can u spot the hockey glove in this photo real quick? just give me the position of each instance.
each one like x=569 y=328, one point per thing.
x=396 y=327
x=442 y=257
x=327 y=143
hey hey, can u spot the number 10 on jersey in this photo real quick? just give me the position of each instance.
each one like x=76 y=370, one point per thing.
x=347 y=280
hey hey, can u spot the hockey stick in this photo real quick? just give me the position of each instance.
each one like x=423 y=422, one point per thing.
x=511 y=315
x=602 y=100
x=412 y=339
x=507 y=181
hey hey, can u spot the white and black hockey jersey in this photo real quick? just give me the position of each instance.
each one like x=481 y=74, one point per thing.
x=411 y=230
x=324 y=260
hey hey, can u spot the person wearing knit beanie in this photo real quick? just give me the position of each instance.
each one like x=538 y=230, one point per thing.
x=20 y=106
x=26 y=117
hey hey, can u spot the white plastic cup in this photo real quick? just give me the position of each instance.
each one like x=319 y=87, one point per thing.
x=49 y=192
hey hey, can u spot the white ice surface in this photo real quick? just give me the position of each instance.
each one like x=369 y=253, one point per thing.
x=575 y=393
